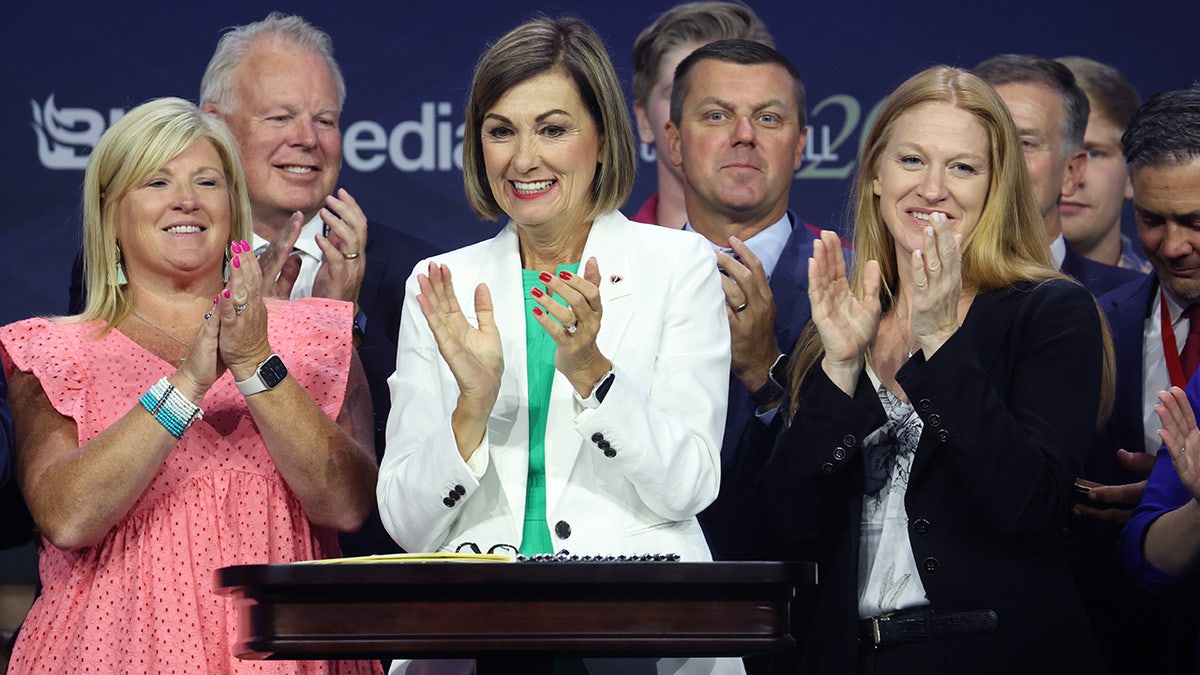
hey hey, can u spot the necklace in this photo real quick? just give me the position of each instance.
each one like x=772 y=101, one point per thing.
x=158 y=328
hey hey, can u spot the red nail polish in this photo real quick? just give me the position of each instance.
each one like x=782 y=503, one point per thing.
x=226 y=294
x=566 y=276
x=536 y=292
x=537 y=311
x=545 y=277
x=235 y=262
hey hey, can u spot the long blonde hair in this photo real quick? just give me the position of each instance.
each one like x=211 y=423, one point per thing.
x=1007 y=246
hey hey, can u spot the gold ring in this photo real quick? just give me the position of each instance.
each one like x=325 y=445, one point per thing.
x=742 y=307
x=350 y=256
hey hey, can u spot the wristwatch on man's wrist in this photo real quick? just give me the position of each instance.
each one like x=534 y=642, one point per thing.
x=359 y=330
x=268 y=375
x=773 y=389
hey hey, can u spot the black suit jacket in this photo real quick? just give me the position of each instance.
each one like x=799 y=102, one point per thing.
x=1008 y=405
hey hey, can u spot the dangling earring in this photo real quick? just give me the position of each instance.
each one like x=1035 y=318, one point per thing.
x=120 y=279
x=225 y=270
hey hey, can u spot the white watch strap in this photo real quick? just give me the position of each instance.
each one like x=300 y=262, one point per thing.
x=252 y=384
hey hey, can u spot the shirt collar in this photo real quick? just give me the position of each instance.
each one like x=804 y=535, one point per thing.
x=306 y=243
x=767 y=244
x=1058 y=251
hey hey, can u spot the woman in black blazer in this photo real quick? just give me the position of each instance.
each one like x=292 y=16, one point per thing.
x=942 y=401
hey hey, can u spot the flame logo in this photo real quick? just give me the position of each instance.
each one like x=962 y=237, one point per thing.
x=66 y=136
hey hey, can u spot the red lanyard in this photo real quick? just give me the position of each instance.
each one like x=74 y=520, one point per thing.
x=1170 y=349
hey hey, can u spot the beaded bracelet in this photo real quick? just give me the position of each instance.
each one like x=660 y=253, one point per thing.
x=170 y=408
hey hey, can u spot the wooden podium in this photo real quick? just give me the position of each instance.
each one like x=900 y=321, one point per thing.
x=515 y=617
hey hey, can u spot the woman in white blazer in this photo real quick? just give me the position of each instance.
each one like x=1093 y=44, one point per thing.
x=623 y=398
x=568 y=389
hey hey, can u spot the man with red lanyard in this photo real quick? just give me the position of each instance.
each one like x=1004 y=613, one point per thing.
x=1155 y=324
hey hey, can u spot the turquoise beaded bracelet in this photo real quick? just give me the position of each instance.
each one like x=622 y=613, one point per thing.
x=171 y=408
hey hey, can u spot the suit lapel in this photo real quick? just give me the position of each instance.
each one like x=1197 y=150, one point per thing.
x=509 y=422
x=1127 y=316
x=607 y=243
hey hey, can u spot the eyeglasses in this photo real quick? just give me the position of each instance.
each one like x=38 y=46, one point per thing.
x=501 y=548
x=565 y=556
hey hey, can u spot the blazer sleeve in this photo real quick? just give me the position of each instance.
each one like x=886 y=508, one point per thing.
x=816 y=464
x=1164 y=493
x=1015 y=431
x=667 y=436
x=421 y=464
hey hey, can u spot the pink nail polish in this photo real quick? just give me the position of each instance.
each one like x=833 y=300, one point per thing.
x=245 y=246
x=236 y=264
x=536 y=292
x=236 y=248
x=226 y=293
x=566 y=276
x=545 y=277
x=537 y=311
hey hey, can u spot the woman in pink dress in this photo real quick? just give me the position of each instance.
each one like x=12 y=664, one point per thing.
x=182 y=422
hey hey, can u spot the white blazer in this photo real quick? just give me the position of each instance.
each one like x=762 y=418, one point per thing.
x=664 y=328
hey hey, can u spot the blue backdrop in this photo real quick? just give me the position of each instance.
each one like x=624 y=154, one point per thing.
x=71 y=69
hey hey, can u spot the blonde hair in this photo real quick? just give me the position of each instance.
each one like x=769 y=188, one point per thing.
x=142 y=142
x=1007 y=246
x=573 y=48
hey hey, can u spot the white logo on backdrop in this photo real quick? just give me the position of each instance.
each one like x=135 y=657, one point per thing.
x=433 y=143
x=66 y=136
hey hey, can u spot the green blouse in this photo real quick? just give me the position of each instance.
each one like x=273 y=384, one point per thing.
x=540 y=349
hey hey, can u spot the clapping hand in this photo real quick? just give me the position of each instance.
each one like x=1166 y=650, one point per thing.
x=937 y=284
x=574 y=326
x=1180 y=435
x=474 y=354
x=846 y=323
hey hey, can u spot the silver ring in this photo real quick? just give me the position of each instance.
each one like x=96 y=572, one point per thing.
x=207 y=316
x=350 y=256
x=572 y=328
x=742 y=307
x=241 y=308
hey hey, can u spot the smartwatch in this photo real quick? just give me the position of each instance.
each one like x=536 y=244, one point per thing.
x=773 y=389
x=359 y=329
x=269 y=374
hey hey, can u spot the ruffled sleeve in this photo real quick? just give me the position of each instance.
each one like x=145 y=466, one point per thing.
x=53 y=353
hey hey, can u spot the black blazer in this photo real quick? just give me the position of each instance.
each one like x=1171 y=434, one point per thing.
x=1008 y=405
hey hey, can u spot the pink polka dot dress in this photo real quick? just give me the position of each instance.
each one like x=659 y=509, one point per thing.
x=142 y=600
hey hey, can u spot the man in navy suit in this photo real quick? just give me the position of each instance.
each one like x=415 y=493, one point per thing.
x=737 y=129
x=1051 y=114
x=1150 y=324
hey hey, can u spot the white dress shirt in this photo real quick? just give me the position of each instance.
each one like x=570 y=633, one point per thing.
x=310 y=256
x=1154 y=363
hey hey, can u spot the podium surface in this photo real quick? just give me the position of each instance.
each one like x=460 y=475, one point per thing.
x=519 y=610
